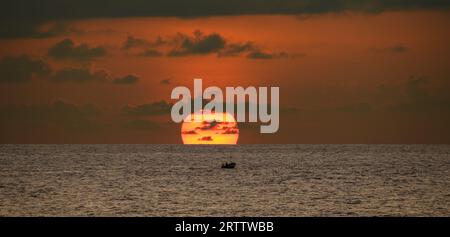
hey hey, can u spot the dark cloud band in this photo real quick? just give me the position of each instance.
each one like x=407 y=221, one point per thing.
x=20 y=18
x=57 y=9
x=22 y=69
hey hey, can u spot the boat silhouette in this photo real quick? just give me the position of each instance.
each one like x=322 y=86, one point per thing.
x=228 y=165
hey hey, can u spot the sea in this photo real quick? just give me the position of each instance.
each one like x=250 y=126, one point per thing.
x=187 y=180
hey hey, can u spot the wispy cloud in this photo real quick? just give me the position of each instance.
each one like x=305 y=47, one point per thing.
x=68 y=50
x=22 y=69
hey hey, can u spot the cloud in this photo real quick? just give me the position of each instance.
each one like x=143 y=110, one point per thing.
x=204 y=44
x=66 y=109
x=199 y=44
x=216 y=125
x=231 y=131
x=257 y=54
x=133 y=42
x=150 y=53
x=236 y=49
x=21 y=69
x=82 y=9
x=251 y=50
x=37 y=29
x=143 y=47
x=79 y=75
x=165 y=81
x=66 y=49
x=126 y=80
x=155 y=108
x=419 y=97
x=206 y=138
x=209 y=125
x=398 y=48
x=60 y=114
x=22 y=18
x=415 y=88
x=190 y=132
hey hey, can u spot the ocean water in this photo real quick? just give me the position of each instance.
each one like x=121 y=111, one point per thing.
x=269 y=180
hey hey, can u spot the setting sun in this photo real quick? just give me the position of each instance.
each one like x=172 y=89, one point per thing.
x=212 y=129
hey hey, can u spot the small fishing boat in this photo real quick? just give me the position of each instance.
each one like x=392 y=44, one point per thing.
x=228 y=165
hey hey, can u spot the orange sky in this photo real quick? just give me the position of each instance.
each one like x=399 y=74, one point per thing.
x=343 y=78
